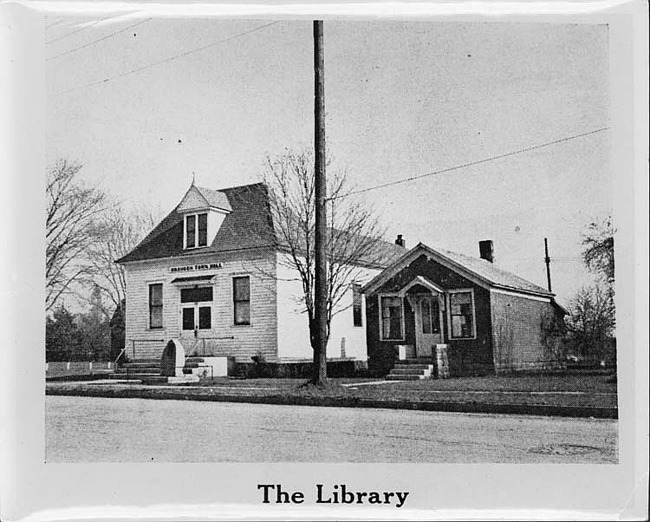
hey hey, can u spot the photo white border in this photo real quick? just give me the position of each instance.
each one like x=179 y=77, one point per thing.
x=32 y=490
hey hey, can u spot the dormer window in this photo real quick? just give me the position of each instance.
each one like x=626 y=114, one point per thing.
x=196 y=230
x=203 y=212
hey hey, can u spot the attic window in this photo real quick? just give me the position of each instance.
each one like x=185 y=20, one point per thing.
x=196 y=236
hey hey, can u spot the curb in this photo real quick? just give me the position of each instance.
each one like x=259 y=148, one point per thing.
x=340 y=402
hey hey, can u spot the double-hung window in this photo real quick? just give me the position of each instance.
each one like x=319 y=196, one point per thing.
x=156 y=305
x=357 y=311
x=462 y=315
x=392 y=315
x=196 y=230
x=241 y=295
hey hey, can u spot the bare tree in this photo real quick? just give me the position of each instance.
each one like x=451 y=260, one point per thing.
x=590 y=325
x=354 y=237
x=116 y=233
x=598 y=254
x=71 y=210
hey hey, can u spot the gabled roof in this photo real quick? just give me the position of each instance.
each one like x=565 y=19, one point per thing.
x=248 y=226
x=215 y=198
x=480 y=271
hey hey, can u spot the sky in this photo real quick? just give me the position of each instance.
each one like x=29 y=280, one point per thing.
x=146 y=104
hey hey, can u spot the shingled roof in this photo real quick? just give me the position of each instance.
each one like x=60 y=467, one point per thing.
x=492 y=273
x=479 y=269
x=215 y=198
x=248 y=226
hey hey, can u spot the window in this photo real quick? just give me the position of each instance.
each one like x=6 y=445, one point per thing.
x=357 y=312
x=205 y=317
x=461 y=315
x=155 y=306
x=196 y=295
x=203 y=230
x=242 y=299
x=430 y=316
x=188 y=318
x=196 y=234
x=391 y=318
x=190 y=231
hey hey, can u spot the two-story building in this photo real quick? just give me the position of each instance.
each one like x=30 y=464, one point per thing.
x=213 y=275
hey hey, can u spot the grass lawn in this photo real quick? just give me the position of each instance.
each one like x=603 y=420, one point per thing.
x=492 y=383
x=502 y=393
x=556 y=390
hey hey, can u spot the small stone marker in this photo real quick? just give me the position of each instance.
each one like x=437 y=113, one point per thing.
x=173 y=359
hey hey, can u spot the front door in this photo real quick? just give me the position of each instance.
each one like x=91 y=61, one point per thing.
x=428 y=325
x=196 y=318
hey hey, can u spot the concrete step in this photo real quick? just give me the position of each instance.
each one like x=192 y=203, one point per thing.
x=154 y=379
x=134 y=375
x=141 y=365
x=138 y=369
x=410 y=371
x=414 y=366
x=392 y=377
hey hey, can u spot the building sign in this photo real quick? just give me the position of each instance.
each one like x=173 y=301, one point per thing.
x=194 y=268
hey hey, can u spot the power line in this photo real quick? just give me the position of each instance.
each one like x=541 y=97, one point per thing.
x=98 y=40
x=92 y=24
x=169 y=59
x=472 y=163
x=53 y=24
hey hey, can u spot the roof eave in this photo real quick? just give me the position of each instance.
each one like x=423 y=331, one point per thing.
x=549 y=295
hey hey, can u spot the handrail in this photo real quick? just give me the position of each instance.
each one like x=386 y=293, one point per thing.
x=122 y=352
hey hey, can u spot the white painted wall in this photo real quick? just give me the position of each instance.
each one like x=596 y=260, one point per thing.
x=292 y=323
x=248 y=340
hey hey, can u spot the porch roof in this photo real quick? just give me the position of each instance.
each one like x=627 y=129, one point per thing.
x=423 y=281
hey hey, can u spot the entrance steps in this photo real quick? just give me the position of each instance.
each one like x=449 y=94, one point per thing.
x=411 y=370
x=148 y=371
x=143 y=370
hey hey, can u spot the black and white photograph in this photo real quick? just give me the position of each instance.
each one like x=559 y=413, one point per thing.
x=283 y=240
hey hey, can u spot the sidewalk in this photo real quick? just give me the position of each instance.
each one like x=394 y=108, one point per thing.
x=368 y=394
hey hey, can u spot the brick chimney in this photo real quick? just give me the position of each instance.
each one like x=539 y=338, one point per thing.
x=486 y=250
x=400 y=241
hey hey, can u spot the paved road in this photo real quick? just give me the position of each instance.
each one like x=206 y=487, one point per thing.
x=88 y=429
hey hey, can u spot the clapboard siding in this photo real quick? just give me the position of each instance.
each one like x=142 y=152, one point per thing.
x=293 y=324
x=258 y=338
x=517 y=332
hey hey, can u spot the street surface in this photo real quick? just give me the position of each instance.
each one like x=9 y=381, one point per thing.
x=89 y=429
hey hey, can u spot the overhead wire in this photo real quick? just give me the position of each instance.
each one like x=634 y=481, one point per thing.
x=83 y=28
x=169 y=59
x=54 y=24
x=470 y=164
x=98 y=40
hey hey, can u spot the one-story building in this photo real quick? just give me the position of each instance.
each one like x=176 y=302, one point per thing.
x=213 y=275
x=487 y=319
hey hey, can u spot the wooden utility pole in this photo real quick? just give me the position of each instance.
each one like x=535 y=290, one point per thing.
x=320 y=291
x=547 y=260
